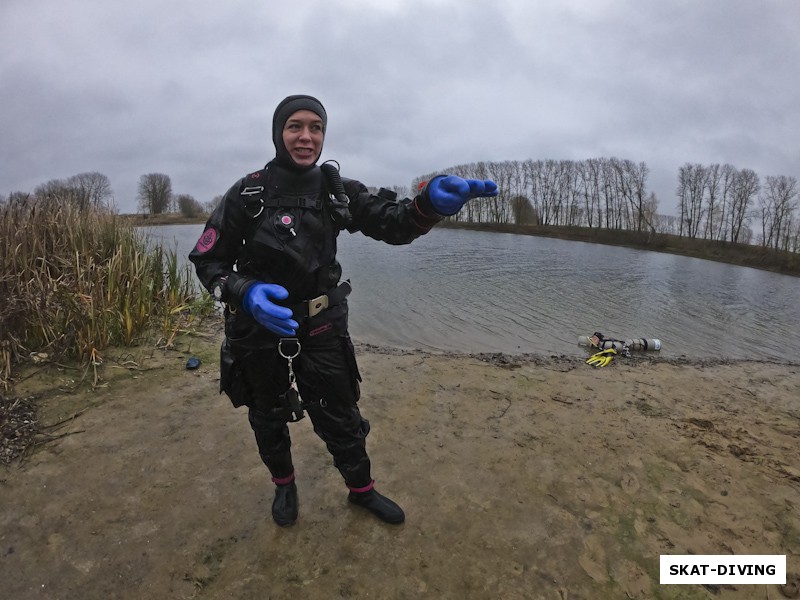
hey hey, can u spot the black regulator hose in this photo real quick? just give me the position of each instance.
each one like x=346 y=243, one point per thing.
x=339 y=202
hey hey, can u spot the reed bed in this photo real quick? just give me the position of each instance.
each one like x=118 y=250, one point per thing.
x=74 y=283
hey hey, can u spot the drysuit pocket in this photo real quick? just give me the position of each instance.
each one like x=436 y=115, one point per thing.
x=231 y=377
x=355 y=375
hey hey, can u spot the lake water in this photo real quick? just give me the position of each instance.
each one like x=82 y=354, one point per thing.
x=470 y=291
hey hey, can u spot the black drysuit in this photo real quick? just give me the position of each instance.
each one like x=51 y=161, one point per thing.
x=276 y=226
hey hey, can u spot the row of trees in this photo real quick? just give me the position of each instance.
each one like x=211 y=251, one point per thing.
x=93 y=190
x=82 y=191
x=602 y=192
x=718 y=202
x=155 y=197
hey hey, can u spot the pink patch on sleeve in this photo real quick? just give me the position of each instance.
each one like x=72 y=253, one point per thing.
x=207 y=240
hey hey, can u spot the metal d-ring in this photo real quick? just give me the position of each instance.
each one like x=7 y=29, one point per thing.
x=280 y=348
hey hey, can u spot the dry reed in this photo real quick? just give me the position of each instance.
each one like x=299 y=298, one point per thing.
x=73 y=283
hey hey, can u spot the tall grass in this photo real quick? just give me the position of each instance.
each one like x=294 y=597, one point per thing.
x=73 y=283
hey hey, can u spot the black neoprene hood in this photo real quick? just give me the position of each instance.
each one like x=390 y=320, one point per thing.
x=286 y=109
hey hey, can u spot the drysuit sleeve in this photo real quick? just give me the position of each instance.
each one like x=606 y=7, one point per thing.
x=218 y=248
x=383 y=217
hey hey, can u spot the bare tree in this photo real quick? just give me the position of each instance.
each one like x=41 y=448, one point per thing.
x=691 y=191
x=155 y=193
x=522 y=211
x=90 y=190
x=777 y=204
x=746 y=185
x=591 y=173
x=632 y=185
x=713 y=201
x=610 y=192
x=83 y=191
x=402 y=191
x=212 y=204
x=548 y=182
x=794 y=237
x=55 y=190
x=497 y=205
x=188 y=206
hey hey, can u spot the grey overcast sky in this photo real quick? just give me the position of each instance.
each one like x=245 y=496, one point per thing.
x=188 y=88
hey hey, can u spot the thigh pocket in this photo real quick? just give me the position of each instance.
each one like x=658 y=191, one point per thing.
x=231 y=377
x=350 y=355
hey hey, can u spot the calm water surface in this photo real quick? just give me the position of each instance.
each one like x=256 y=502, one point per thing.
x=470 y=291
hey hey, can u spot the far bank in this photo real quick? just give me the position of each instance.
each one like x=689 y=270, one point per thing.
x=743 y=255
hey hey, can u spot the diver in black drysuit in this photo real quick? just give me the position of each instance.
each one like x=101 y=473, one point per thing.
x=270 y=248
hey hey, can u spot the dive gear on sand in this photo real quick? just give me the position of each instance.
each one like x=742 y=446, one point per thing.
x=602 y=358
x=602 y=342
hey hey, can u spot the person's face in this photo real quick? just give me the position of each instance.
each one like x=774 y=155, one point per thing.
x=303 y=136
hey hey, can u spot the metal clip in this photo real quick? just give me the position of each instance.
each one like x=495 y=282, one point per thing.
x=291 y=397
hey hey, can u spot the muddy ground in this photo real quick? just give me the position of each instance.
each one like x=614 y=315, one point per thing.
x=520 y=478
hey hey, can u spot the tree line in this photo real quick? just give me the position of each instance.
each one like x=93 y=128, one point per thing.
x=718 y=202
x=715 y=202
x=93 y=190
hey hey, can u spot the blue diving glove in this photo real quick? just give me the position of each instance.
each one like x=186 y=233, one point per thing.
x=276 y=318
x=449 y=193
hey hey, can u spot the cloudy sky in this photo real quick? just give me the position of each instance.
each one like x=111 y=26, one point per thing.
x=188 y=88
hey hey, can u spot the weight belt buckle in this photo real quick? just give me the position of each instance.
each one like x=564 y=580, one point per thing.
x=317 y=305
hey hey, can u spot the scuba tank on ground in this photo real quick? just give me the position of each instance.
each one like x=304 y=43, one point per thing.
x=598 y=340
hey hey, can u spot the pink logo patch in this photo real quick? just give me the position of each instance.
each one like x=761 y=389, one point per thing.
x=286 y=220
x=322 y=329
x=207 y=240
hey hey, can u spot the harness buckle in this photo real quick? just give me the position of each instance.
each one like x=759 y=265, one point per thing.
x=317 y=305
x=252 y=191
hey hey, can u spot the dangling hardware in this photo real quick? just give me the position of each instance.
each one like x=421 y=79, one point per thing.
x=291 y=403
x=290 y=400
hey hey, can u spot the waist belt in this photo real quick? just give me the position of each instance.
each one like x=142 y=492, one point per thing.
x=311 y=308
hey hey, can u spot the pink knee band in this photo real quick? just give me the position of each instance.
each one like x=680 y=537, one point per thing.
x=283 y=480
x=364 y=489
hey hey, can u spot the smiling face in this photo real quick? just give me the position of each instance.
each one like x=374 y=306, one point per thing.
x=303 y=135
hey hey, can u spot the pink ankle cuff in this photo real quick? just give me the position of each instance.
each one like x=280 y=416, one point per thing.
x=364 y=489
x=283 y=480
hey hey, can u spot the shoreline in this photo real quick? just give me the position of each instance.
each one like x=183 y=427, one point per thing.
x=513 y=359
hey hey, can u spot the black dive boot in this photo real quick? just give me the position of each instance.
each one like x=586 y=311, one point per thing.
x=354 y=465
x=379 y=505
x=284 y=507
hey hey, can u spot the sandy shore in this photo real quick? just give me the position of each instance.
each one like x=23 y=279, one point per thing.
x=521 y=478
